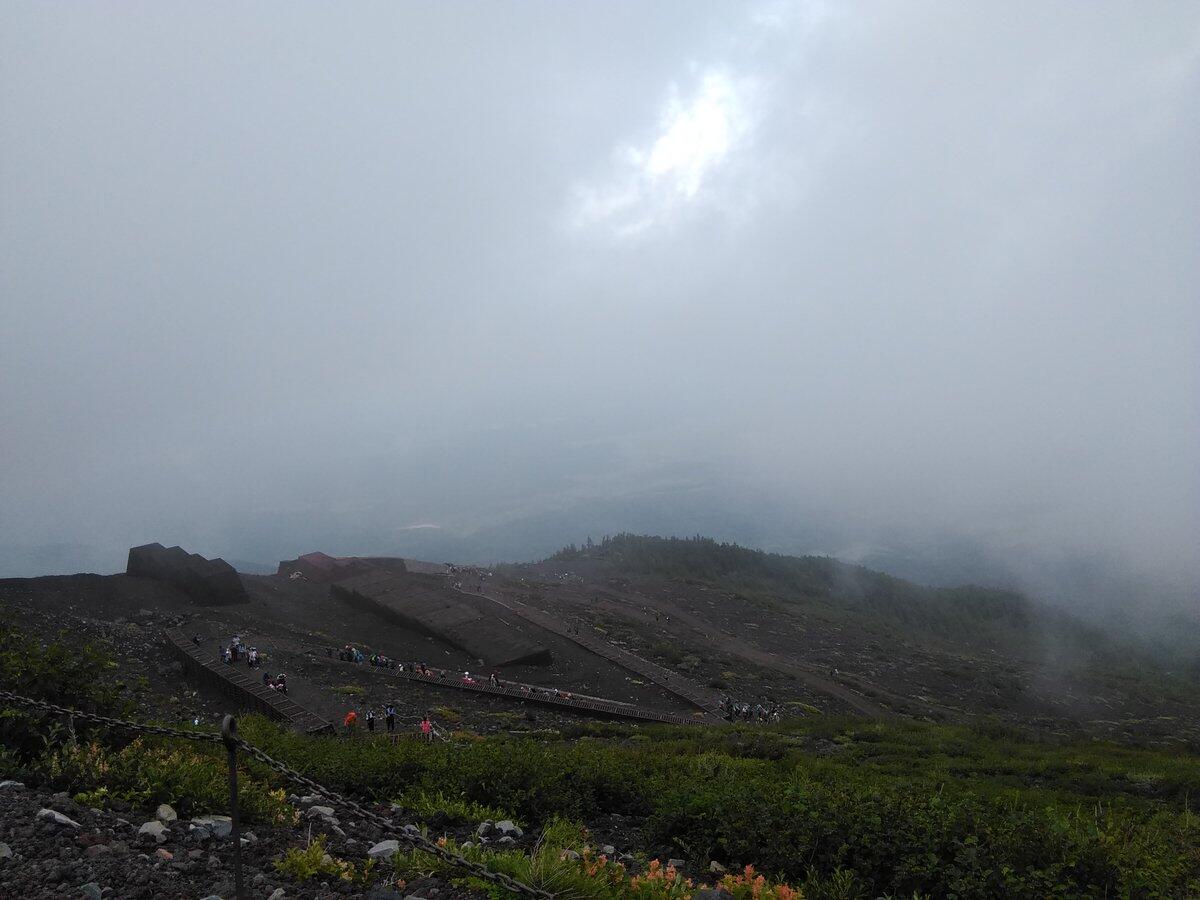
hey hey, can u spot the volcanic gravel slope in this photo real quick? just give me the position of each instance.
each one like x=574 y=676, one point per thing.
x=58 y=854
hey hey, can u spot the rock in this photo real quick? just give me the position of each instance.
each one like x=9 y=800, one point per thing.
x=251 y=837
x=164 y=854
x=310 y=799
x=507 y=841
x=220 y=826
x=5 y=851
x=97 y=850
x=484 y=829
x=9 y=785
x=258 y=879
x=570 y=854
x=322 y=812
x=335 y=829
x=411 y=829
x=509 y=827
x=277 y=894
x=676 y=864
x=155 y=829
x=716 y=868
x=196 y=854
x=53 y=815
x=91 y=891
x=467 y=845
x=384 y=850
x=165 y=813
x=609 y=850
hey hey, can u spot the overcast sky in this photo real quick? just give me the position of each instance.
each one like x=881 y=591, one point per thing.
x=279 y=276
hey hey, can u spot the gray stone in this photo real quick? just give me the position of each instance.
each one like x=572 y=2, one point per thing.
x=165 y=813
x=485 y=828
x=676 y=863
x=716 y=868
x=507 y=841
x=571 y=855
x=509 y=827
x=310 y=799
x=97 y=850
x=53 y=815
x=220 y=826
x=155 y=829
x=5 y=851
x=384 y=850
x=608 y=850
x=411 y=829
x=9 y=785
x=323 y=812
x=91 y=891
x=277 y=894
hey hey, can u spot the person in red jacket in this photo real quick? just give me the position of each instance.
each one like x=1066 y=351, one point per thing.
x=350 y=721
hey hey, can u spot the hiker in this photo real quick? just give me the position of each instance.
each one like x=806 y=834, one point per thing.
x=267 y=680
x=389 y=713
x=426 y=728
x=281 y=683
x=371 y=721
x=493 y=680
x=350 y=721
x=196 y=639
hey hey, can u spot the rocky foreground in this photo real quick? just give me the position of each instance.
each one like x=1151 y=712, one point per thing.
x=51 y=846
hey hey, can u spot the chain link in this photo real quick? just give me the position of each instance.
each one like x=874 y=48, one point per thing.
x=415 y=840
x=210 y=737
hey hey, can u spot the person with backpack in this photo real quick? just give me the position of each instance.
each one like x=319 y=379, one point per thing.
x=389 y=713
x=426 y=729
x=371 y=721
x=350 y=721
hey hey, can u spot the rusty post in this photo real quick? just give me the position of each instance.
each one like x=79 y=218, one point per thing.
x=229 y=734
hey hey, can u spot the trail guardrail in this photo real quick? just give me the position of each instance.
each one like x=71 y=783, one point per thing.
x=253 y=695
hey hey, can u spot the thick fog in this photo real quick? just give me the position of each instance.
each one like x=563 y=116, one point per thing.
x=915 y=284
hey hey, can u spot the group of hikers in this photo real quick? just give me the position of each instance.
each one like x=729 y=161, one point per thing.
x=353 y=654
x=369 y=718
x=237 y=650
x=743 y=712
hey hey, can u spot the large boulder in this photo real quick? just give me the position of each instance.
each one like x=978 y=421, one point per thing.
x=209 y=581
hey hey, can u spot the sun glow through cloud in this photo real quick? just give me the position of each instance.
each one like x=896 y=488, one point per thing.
x=655 y=180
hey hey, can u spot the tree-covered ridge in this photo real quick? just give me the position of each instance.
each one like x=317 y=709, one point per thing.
x=971 y=612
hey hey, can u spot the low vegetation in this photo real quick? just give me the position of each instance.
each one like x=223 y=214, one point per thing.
x=825 y=807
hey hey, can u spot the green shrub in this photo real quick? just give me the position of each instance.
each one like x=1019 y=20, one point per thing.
x=65 y=672
x=426 y=804
x=311 y=860
x=149 y=771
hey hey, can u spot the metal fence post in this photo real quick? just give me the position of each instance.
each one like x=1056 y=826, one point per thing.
x=229 y=735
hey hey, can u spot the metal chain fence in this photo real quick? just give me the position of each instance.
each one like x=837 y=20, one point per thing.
x=233 y=743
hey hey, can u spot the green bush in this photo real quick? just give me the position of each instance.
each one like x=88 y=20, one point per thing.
x=311 y=860
x=64 y=672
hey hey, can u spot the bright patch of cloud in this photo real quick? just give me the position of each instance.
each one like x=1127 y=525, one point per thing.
x=654 y=181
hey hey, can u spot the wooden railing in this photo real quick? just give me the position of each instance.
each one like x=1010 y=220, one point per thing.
x=252 y=694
